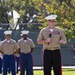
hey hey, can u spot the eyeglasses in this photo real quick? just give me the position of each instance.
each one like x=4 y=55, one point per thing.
x=8 y=35
x=52 y=21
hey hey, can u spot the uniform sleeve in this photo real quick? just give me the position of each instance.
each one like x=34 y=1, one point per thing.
x=16 y=46
x=63 y=36
x=32 y=44
x=40 y=36
x=1 y=46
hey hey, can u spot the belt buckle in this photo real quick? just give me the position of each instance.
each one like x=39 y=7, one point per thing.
x=54 y=48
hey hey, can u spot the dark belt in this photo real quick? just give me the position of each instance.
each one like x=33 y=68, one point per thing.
x=53 y=48
x=25 y=53
x=9 y=54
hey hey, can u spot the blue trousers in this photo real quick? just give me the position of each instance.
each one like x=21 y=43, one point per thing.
x=0 y=65
x=26 y=63
x=16 y=64
x=8 y=61
x=9 y=69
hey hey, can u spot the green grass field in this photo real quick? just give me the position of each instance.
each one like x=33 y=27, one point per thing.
x=40 y=72
x=65 y=72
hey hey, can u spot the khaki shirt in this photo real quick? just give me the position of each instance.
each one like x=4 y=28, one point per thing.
x=25 y=47
x=57 y=35
x=9 y=48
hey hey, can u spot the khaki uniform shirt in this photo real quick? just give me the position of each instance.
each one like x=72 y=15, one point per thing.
x=57 y=35
x=9 y=47
x=25 y=46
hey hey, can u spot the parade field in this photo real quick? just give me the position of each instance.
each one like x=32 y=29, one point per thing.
x=65 y=72
x=40 y=72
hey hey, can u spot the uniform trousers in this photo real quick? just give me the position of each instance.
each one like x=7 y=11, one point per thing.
x=9 y=69
x=26 y=64
x=8 y=62
x=0 y=65
x=16 y=64
x=52 y=59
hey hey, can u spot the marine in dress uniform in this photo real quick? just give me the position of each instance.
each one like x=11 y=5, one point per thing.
x=51 y=38
x=26 y=48
x=8 y=47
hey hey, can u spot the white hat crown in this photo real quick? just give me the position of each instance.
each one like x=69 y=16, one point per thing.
x=24 y=32
x=51 y=17
x=7 y=32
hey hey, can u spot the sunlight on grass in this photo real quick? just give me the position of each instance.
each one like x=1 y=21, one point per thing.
x=40 y=72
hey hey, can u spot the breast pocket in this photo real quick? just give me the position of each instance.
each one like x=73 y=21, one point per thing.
x=11 y=45
x=56 y=37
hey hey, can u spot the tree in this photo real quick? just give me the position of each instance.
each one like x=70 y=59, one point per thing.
x=66 y=13
x=3 y=12
x=65 y=9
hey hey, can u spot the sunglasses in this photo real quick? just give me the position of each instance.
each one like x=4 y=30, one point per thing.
x=8 y=35
x=52 y=21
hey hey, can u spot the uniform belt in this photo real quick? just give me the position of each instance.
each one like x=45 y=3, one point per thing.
x=8 y=54
x=53 y=48
x=25 y=53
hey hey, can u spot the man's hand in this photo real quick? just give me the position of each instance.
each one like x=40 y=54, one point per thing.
x=32 y=50
x=62 y=41
x=2 y=53
x=44 y=41
x=16 y=51
x=48 y=40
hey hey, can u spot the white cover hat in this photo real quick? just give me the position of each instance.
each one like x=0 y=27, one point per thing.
x=51 y=17
x=24 y=32
x=7 y=32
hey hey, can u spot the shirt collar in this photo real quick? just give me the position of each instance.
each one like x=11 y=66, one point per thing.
x=54 y=30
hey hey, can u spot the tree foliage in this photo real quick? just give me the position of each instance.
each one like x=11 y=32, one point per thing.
x=65 y=9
